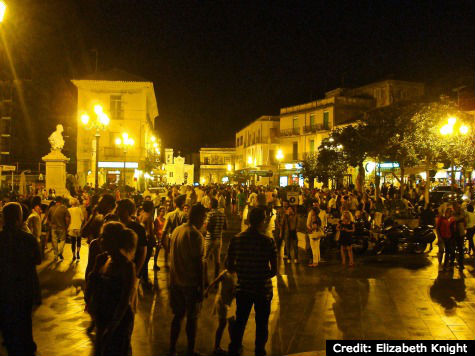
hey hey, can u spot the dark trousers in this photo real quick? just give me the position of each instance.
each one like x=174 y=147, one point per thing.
x=244 y=303
x=16 y=328
x=75 y=243
x=470 y=233
x=291 y=243
x=446 y=246
x=459 y=242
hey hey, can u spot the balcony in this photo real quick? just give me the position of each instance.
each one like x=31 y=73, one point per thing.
x=290 y=132
x=315 y=128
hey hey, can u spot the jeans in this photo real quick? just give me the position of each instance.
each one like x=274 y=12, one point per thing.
x=291 y=241
x=244 y=303
x=470 y=233
x=459 y=242
x=75 y=241
x=446 y=246
x=58 y=240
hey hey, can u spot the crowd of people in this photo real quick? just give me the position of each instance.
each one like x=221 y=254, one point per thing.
x=187 y=225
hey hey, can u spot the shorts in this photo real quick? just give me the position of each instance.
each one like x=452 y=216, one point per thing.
x=185 y=301
x=346 y=240
x=213 y=249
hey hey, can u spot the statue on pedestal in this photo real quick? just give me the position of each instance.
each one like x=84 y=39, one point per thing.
x=56 y=139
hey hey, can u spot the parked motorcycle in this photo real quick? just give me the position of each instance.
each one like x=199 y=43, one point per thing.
x=400 y=238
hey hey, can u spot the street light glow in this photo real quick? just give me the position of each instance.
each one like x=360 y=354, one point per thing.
x=249 y=160
x=85 y=118
x=98 y=109
x=103 y=119
x=3 y=9
x=279 y=155
x=452 y=121
x=230 y=168
x=153 y=138
x=130 y=142
x=446 y=130
x=118 y=141
x=463 y=129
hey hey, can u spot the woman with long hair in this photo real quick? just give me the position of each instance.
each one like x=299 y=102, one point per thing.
x=346 y=226
x=315 y=233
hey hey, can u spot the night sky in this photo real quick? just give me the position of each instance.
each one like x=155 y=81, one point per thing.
x=218 y=65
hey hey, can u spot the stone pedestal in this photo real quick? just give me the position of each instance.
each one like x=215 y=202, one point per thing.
x=56 y=172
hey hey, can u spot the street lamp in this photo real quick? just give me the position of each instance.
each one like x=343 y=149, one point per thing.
x=3 y=9
x=448 y=130
x=125 y=142
x=100 y=123
x=279 y=156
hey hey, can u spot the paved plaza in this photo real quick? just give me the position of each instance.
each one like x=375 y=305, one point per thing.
x=386 y=297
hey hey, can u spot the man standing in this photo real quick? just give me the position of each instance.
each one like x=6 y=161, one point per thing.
x=187 y=277
x=59 y=219
x=34 y=222
x=215 y=225
x=253 y=256
x=172 y=221
x=126 y=210
x=19 y=255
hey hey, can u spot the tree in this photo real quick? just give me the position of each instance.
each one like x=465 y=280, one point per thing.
x=330 y=162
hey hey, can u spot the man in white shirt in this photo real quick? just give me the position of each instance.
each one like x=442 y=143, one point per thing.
x=74 y=229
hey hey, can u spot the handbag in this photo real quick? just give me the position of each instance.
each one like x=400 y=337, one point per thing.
x=317 y=234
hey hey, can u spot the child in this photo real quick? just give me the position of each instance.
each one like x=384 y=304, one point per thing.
x=223 y=301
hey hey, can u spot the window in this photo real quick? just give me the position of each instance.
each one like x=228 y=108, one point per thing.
x=312 y=120
x=312 y=146
x=295 y=151
x=206 y=160
x=295 y=122
x=170 y=174
x=116 y=107
x=326 y=120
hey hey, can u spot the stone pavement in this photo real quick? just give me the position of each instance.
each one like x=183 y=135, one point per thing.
x=385 y=297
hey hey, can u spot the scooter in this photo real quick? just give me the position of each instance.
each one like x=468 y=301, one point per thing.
x=400 y=238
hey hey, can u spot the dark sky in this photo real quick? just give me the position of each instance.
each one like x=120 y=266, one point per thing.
x=217 y=65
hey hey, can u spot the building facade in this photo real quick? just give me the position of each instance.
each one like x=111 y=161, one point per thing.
x=130 y=103
x=216 y=165
x=256 y=148
x=177 y=172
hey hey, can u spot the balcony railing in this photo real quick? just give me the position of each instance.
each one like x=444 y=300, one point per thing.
x=290 y=132
x=315 y=128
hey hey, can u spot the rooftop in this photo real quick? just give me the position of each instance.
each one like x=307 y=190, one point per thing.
x=114 y=75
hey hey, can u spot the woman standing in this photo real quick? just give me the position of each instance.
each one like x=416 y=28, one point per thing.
x=158 y=228
x=346 y=227
x=111 y=288
x=315 y=233
x=445 y=231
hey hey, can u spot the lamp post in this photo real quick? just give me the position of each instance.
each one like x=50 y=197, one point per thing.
x=279 y=156
x=100 y=123
x=450 y=131
x=125 y=142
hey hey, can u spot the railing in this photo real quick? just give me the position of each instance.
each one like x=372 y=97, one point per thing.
x=314 y=128
x=290 y=132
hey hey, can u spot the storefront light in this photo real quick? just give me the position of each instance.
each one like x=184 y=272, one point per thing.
x=289 y=166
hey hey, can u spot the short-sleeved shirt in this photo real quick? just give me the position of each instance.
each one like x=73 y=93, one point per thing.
x=215 y=224
x=57 y=216
x=77 y=218
x=186 y=255
x=249 y=255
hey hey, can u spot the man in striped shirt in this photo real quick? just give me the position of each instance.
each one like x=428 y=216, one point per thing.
x=215 y=225
x=253 y=256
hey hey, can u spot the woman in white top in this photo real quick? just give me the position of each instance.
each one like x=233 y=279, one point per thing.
x=74 y=229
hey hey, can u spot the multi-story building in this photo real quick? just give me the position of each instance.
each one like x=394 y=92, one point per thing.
x=256 y=148
x=304 y=126
x=130 y=103
x=216 y=164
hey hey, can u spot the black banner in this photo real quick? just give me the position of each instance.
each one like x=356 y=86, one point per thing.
x=412 y=347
